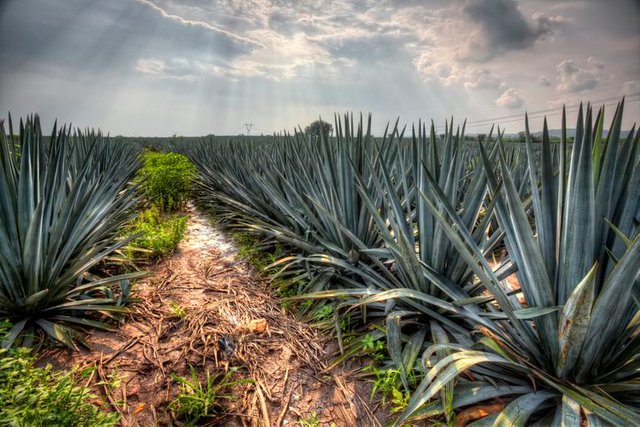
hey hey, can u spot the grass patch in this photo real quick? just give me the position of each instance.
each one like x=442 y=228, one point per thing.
x=31 y=396
x=160 y=234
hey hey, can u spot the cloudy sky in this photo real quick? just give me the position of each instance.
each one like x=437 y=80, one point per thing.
x=194 y=67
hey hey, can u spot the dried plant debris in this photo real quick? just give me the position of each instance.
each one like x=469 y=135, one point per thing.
x=231 y=327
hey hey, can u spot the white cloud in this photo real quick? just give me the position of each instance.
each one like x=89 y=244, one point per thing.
x=574 y=79
x=510 y=99
x=544 y=81
x=196 y=23
x=174 y=68
x=150 y=66
x=482 y=79
x=631 y=87
x=281 y=57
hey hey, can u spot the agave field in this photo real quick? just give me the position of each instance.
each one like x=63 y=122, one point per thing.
x=500 y=281
x=397 y=234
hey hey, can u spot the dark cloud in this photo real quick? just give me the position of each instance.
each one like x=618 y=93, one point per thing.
x=503 y=27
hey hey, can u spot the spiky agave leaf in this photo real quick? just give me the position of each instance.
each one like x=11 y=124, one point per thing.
x=63 y=201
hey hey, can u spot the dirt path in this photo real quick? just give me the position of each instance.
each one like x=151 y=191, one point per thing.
x=204 y=308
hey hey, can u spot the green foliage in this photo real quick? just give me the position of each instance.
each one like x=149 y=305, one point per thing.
x=324 y=312
x=31 y=396
x=167 y=179
x=199 y=401
x=62 y=203
x=373 y=347
x=159 y=234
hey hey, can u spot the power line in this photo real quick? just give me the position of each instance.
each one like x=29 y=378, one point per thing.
x=550 y=112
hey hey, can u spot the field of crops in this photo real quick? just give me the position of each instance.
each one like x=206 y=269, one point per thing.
x=487 y=281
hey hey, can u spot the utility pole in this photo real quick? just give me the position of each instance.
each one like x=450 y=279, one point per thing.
x=248 y=126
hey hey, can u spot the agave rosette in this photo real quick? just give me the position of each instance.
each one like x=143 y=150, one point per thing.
x=63 y=201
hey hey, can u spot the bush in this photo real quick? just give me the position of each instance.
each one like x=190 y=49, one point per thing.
x=161 y=233
x=167 y=179
x=31 y=396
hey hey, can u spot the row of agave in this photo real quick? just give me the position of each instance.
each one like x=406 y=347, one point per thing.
x=63 y=202
x=403 y=231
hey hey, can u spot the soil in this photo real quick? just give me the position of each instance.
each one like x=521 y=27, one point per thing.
x=206 y=309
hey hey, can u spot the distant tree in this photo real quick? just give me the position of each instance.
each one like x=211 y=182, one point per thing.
x=522 y=136
x=319 y=126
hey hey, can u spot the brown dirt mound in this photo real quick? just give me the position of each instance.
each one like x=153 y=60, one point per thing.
x=230 y=319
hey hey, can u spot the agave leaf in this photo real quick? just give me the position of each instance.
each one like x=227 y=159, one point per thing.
x=439 y=336
x=579 y=233
x=593 y=421
x=608 y=311
x=34 y=299
x=536 y=284
x=441 y=374
x=57 y=332
x=412 y=349
x=394 y=345
x=517 y=413
x=570 y=412
x=574 y=322
x=14 y=332
x=524 y=313
x=84 y=322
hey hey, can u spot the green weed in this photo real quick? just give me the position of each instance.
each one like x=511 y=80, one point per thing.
x=199 y=401
x=160 y=234
x=373 y=348
x=310 y=421
x=176 y=310
x=31 y=396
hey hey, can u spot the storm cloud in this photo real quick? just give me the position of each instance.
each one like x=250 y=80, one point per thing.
x=503 y=27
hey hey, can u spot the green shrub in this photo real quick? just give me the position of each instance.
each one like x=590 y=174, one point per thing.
x=161 y=233
x=31 y=396
x=167 y=179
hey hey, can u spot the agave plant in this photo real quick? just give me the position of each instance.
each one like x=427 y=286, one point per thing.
x=62 y=202
x=576 y=360
x=413 y=283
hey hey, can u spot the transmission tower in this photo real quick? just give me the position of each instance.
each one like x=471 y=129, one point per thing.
x=249 y=126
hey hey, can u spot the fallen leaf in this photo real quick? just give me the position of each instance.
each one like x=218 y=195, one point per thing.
x=139 y=408
x=258 y=325
x=468 y=415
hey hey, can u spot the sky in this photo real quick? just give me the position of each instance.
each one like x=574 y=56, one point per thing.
x=195 y=67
